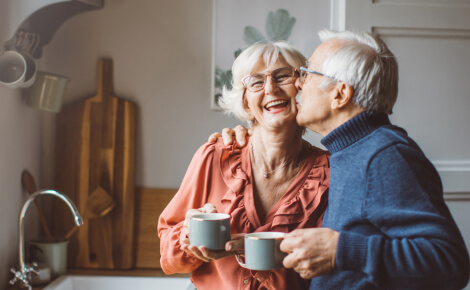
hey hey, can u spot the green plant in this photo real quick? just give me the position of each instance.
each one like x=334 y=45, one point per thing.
x=278 y=26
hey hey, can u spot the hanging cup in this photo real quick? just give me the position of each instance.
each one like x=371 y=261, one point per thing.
x=12 y=69
x=17 y=70
x=47 y=92
x=31 y=70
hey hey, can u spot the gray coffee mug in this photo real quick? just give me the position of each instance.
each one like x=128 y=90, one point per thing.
x=211 y=230
x=262 y=251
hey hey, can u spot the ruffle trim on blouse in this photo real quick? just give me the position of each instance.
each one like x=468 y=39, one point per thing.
x=308 y=197
x=294 y=210
x=230 y=166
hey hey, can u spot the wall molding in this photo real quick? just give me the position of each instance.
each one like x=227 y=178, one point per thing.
x=452 y=165
x=369 y=14
x=419 y=15
x=457 y=196
x=455 y=175
x=422 y=32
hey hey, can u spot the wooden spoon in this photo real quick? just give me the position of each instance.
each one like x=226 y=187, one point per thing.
x=98 y=204
x=29 y=184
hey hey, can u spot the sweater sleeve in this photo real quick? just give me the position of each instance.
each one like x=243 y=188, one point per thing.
x=419 y=244
x=193 y=193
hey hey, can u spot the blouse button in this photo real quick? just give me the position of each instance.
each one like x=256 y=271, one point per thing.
x=245 y=281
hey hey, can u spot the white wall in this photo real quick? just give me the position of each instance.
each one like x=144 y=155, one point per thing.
x=20 y=139
x=162 y=61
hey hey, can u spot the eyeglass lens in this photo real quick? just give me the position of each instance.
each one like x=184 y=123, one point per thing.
x=303 y=75
x=281 y=76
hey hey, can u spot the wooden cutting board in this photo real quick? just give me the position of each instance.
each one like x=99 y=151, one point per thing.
x=95 y=147
x=149 y=204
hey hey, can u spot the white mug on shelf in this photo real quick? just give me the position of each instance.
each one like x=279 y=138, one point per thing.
x=12 y=69
x=17 y=70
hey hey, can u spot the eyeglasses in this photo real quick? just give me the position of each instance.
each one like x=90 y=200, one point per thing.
x=305 y=71
x=280 y=76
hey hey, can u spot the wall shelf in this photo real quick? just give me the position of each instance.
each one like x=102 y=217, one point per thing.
x=41 y=19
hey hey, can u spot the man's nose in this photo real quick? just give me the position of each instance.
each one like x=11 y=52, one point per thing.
x=270 y=86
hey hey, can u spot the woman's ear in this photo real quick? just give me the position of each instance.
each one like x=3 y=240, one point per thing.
x=245 y=104
x=344 y=94
x=247 y=108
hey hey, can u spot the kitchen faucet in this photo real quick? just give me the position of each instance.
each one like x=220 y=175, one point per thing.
x=23 y=274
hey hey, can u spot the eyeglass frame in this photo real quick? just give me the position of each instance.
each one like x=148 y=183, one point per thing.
x=302 y=80
x=294 y=70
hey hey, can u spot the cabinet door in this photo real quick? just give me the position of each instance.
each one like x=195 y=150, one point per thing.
x=431 y=40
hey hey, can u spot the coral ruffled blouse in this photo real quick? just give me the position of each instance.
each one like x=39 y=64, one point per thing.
x=222 y=175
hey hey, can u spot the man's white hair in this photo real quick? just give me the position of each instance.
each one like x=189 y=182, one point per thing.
x=364 y=62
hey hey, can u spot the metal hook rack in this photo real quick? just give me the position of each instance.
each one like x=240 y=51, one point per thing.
x=26 y=42
x=39 y=25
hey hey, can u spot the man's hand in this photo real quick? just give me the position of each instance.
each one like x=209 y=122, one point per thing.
x=228 y=134
x=311 y=252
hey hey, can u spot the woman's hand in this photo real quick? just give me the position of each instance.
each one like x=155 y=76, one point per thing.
x=240 y=133
x=207 y=208
x=235 y=246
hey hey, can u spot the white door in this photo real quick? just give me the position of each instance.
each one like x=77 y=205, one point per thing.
x=431 y=40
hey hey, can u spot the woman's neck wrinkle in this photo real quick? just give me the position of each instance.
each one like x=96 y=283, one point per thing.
x=273 y=150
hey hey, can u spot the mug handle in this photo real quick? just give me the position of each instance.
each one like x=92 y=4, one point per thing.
x=240 y=262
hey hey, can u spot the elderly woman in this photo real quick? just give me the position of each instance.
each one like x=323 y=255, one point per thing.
x=277 y=183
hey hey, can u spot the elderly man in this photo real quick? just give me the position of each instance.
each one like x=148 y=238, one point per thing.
x=386 y=225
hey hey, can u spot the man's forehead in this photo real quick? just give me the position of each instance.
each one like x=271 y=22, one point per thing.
x=311 y=62
x=321 y=51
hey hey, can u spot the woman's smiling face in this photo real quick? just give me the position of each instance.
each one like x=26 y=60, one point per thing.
x=274 y=105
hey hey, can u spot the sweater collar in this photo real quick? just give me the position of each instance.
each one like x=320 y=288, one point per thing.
x=354 y=130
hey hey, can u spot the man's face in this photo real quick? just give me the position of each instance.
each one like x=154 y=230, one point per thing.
x=314 y=110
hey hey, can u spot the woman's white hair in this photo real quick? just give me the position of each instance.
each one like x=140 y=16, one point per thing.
x=232 y=99
x=365 y=63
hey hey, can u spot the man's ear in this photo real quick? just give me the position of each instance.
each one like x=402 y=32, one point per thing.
x=343 y=97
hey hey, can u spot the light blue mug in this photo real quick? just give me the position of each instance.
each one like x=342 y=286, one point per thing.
x=262 y=251
x=211 y=230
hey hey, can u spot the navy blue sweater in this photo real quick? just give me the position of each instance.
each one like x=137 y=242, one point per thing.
x=386 y=200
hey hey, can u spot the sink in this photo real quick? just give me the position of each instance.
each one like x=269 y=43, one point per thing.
x=79 y=282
